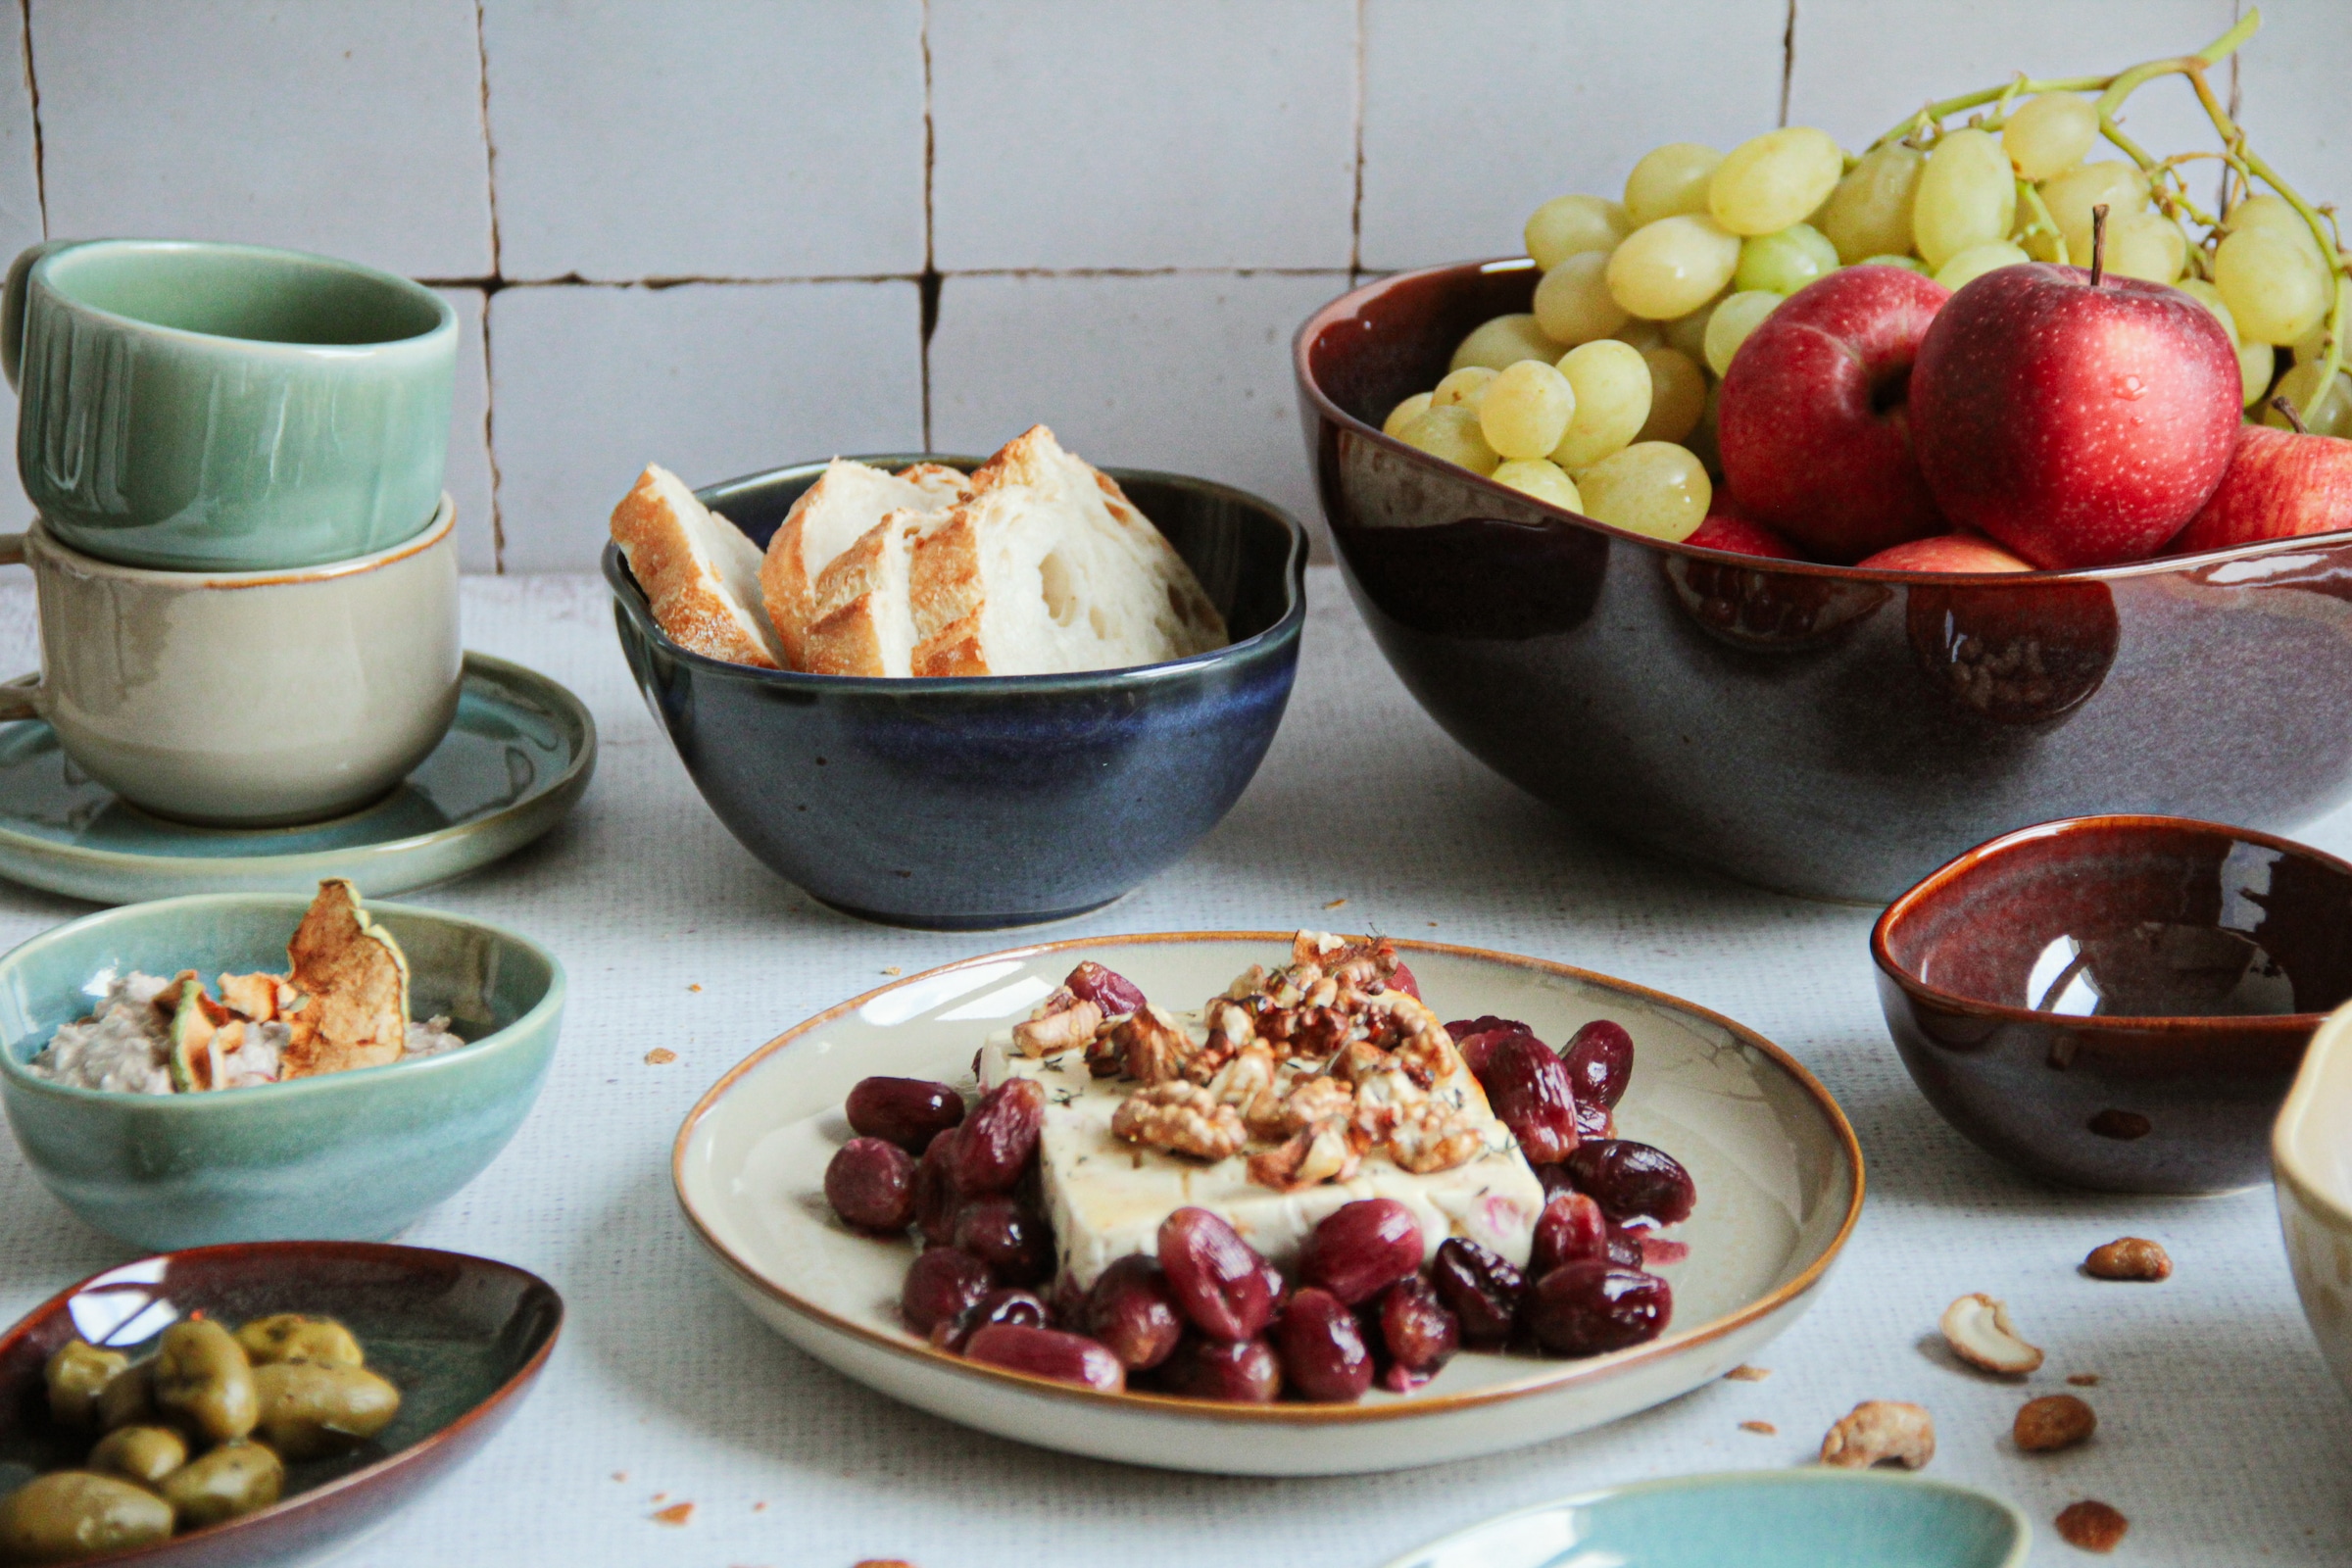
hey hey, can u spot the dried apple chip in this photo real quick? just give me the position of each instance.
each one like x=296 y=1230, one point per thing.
x=355 y=983
x=251 y=997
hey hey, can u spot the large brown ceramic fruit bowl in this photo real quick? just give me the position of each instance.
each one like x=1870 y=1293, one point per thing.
x=1824 y=730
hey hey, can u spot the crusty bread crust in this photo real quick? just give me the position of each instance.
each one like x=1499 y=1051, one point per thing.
x=831 y=517
x=861 y=625
x=682 y=558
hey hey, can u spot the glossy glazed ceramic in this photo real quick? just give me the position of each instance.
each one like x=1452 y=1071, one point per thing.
x=225 y=408
x=1812 y=1518
x=996 y=801
x=246 y=699
x=463 y=1338
x=2118 y=1002
x=1818 y=729
x=351 y=1154
x=2312 y=1160
x=1778 y=1171
x=515 y=759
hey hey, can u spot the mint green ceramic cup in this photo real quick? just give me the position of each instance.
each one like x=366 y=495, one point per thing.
x=225 y=408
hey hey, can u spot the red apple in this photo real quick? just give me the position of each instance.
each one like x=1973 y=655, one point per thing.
x=1945 y=552
x=2279 y=484
x=1813 y=428
x=2079 y=424
x=1728 y=530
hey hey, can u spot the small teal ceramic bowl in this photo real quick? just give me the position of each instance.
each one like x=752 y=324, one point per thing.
x=352 y=1155
x=1809 y=1518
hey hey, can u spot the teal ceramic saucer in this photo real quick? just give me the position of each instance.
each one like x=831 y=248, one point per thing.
x=515 y=759
x=1813 y=1517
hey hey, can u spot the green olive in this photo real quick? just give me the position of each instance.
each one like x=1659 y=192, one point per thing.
x=128 y=1397
x=71 y=1514
x=144 y=1454
x=296 y=1337
x=76 y=1371
x=310 y=1410
x=203 y=1381
x=233 y=1478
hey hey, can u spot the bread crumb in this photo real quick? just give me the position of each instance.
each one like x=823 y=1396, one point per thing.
x=2084 y=1380
x=659 y=1496
x=660 y=1057
x=621 y=1475
x=693 y=987
x=1336 y=904
x=893 y=969
x=758 y=1508
x=677 y=1513
x=2091 y=1525
x=1761 y=1428
x=1744 y=1373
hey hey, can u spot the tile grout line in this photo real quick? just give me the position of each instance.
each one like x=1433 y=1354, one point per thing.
x=32 y=89
x=1787 y=60
x=1355 y=211
x=928 y=283
x=489 y=286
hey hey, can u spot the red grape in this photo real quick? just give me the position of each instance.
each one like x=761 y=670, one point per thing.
x=1322 y=1349
x=907 y=1112
x=871 y=1185
x=1362 y=1248
x=1217 y=1279
x=997 y=1142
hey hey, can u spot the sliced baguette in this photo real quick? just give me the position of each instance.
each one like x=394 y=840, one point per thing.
x=1047 y=567
x=864 y=624
x=699 y=572
x=842 y=508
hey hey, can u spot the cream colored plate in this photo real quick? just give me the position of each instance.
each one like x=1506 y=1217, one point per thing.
x=1779 y=1174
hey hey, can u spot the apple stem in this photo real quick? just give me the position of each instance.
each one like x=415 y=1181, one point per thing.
x=2098 y=243
x=2286 y=408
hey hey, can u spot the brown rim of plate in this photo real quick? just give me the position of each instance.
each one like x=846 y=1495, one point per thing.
x=1342 y=308
x=367 y=1473
x=1937 y=881
x=1580 y=1370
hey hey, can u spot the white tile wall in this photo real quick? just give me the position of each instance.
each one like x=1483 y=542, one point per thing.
x=1129 y=204
x=1187 y=372
x=20 y=226
x=707 y=379
x=707 y=138
x=1150 y=133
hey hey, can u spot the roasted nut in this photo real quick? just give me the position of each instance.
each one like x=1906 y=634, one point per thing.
x=1181 y=1117
x=2128 y=1257
x=1059 y=1022
x=1980 y=1332
x=2089 y=1526
x=2052 y=1422
x=1880 y=1431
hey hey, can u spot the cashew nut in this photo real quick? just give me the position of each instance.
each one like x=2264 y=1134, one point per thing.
x=1880 y=1431
x=1980 y=1332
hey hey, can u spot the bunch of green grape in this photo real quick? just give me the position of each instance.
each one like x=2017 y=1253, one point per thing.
x=1603 y=399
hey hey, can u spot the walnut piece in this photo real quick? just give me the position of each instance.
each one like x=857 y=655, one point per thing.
x=1314 y=1154
x=1980 y=1332
x=2091 y=1526
x=2052 y=1422
x=1435 y=1135
x=1149 y=1046
x=1060 y=1022
x=2128 y=1257
x=1182 y=1118
x=1880 y=1431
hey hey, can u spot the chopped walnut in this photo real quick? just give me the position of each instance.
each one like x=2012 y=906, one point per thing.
x=1314 y=1154
x=1248 y=1083
x=1181 y=1117
x=1434 y=1136
x=1314 y=1100
x=1060 y=1022
x=1149 y=1047
x=1880 y=1431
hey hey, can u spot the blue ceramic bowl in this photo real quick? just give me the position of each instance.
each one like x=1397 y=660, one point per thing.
x=993 y=800
x=349 y=1155
x=1810 y=1518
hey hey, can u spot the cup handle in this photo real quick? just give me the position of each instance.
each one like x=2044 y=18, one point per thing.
x=12 y=306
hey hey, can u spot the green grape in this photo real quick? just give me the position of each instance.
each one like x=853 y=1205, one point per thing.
x=1405 y=413
x=1668 y=182
x=1541 y=478
x=1651 y=487
x=1908 y=262
x=1641 y=335
x=1769 y=181
x=2146 y=245
x=2048 y=134
x=1451 y=432
x=1672 y=266
x=1734 y=319
x=2205 y=294
x=1465 y=388
x=2330 y=416
x=1784 y=261
x=1612 y=387
x=1505 y=340
x=2256 y=363
x=2275 y=288
x=1976 y=260
x=1573 y=303
x=2271 y=212
x=1688 y=334
x=1677 y=395
x=1569 y=226
x=1526 y=411
x=1869 y=212
x=1966 y=197
x=2119 y=187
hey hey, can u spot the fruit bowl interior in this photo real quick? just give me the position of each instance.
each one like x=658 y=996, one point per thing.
x=1820 y=729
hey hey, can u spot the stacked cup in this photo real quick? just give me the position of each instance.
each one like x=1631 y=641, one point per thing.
x=246 y=566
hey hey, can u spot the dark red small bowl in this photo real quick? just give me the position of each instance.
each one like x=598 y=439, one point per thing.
x=2117 y=1003
x=462 y=1336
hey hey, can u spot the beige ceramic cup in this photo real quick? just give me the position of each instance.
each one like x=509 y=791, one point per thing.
x=251 y=699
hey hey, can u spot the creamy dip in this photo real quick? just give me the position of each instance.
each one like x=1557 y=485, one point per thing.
x=126 y=1045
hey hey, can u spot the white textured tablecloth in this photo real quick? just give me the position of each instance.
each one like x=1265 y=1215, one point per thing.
x=2221 y=1435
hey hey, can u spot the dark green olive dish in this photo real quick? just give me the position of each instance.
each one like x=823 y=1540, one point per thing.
x=257 y=1402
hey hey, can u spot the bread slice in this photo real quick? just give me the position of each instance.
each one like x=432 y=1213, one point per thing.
x=864 y=624
x=842 y=508
x=698 y=571
x=1047 y=567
